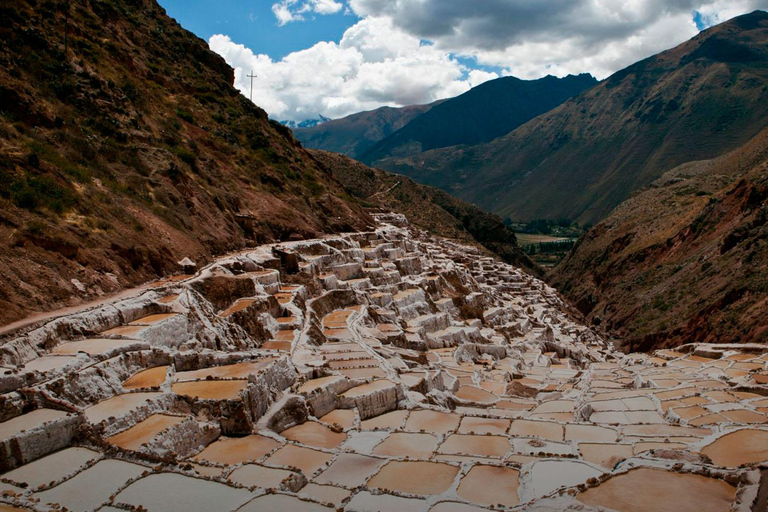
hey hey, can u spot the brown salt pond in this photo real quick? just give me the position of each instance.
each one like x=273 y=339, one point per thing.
x=284 y=346
x=345 y=418
x=390 y=420
x=736 y=448
x=605 y=454
x=229 y=371
x=239 y=305
x=305 y=459
x=252 y=475
x=575 y=432
x=280 y=502
x=152 y=378
x=432 y=421
x=542 y=429
x=350 y=470
x=661 y=491
x=118 y=406
x=47 y=363
x=52 y=468
x=365 y=500
x=404 y=444
x=172 y=492
x=415 y=477
x=325 y=494
x=94 y=346
x=314 y=434
x=92 y=487
x=153 y=319
x=474 y=394
x=210 y=389
x=126 y=330
x=473 y=425
x=486 y=446
x=236 y=450
x=28 y=421
x=144 y=431
x=490 y=486
x=369 y=388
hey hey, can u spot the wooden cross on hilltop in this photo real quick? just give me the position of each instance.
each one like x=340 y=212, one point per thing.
x=251 y=76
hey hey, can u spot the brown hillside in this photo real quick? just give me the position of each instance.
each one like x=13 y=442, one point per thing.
x=128 y=149
x=685 y=260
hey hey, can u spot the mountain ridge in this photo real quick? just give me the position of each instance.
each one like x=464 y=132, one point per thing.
x=584 y=157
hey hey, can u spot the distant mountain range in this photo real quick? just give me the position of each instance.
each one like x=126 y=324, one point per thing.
x=307 y=123
x=354 y=135
x=580 y=160
x=483 y=113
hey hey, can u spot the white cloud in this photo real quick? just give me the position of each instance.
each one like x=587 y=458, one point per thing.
x=287 y=11
x=374 y=64
x=404 y=52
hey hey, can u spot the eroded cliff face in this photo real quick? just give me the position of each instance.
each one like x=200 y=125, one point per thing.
x=684 y=261
x=384 y=369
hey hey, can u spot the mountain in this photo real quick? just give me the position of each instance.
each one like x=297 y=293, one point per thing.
x=697 y=101
x=124 y=147
x=354 y=135
x=307 y=123
x=684 y=261
x=481 y=114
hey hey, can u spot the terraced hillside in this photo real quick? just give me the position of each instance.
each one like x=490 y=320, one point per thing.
x=377 y=370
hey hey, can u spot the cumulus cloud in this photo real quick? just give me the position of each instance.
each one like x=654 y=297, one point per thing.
x=403 y=52
x=374 y=64
x=287 y=11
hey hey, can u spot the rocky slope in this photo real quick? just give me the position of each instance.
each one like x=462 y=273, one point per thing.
x=479 y=115
x=697 y=101
x=685 y=260
x=354 y=135
x=124 y=147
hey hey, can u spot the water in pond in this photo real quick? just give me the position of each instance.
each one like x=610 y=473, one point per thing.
x=154 y=377
x=281 y=502
x=490 y=485
x=487 y=446
x=28 y=421
x=415 y=477
x=432 y=421
x=118 y=406
x=92 y=487
x=740 y=447
x=210 y=389
x=312 y=433
x=52 y=467
x=171 y=492
x=229 y=371
x=143 y=432
x=254 y=475
x=236 y=450
x=350 y=470
x=661 y=491
x=305 y=459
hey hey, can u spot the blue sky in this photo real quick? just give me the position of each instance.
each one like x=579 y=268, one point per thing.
x=337 y=57
x=253 y=24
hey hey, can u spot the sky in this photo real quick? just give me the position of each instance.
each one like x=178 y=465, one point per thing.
x=338 y=57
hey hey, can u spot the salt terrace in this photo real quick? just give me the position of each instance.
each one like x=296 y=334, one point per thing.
x=385 y=370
